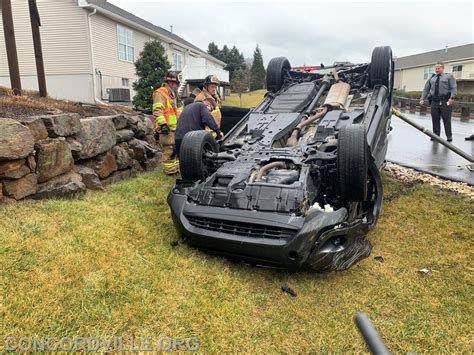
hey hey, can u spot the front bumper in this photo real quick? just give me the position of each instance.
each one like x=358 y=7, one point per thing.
x=319 y=241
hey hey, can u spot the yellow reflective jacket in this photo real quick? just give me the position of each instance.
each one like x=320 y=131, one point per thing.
x=166 y=107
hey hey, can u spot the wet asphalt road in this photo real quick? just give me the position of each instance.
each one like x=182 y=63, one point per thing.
x=412 y=148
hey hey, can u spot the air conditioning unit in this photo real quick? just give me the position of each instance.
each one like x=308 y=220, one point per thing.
x=119 y=95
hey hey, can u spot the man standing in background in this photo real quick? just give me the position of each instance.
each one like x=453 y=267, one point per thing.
x=440 y=90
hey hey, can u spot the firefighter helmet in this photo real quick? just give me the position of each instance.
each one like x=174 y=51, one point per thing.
x=172 y=76
x=211 y=79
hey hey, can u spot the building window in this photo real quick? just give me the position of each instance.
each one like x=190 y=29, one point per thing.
x=177 y=61
x=125 y=82
x=429 y=71
x=126 y=48
x=457 y=71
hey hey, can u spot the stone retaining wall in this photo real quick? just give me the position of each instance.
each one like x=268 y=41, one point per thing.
x=63 y=155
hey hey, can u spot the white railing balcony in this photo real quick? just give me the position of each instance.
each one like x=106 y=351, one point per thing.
x=463 y=75
x=199 y=72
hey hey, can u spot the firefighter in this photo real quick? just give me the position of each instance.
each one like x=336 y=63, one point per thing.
x=209 y=92
x=196 y=116
x=166 y=110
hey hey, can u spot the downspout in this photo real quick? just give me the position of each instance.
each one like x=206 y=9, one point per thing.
x=85 y=4
x=94 y=77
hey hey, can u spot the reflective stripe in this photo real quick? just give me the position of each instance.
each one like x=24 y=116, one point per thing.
x=157 y=105
x=170 y=164
x=160 y=120
x=172 y=120
x=170 y=111
x=216 y=109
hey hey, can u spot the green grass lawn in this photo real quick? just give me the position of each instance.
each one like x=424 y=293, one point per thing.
x=249 y=99
x=103 y=265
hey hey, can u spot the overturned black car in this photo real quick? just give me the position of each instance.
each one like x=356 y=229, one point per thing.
x=295 y=183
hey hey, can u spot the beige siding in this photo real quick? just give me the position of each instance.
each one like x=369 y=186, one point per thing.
x=412 y=79
x=64 y=38
x=71 y=57
x=105 y=47
x=467 y=69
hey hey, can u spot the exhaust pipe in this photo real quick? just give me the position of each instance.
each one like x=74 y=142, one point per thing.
x=295 y=135
x=265 y=168
x=335 y=100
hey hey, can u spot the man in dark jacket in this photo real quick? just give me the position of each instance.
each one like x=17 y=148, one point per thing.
x=196 y=117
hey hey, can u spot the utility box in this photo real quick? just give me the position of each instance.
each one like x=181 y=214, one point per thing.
x=119 y=95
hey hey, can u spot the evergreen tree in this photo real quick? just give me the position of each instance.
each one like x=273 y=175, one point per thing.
x=224 y=54
x=235 y=62
x=233 y=58
x=213 y=50
x=257 y=72
x=150 y=67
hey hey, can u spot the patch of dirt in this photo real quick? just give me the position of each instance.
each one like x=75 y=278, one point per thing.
x=30 y=104
x=404 y=189
x=413 y=177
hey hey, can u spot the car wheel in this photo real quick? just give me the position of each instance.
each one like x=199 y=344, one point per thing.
x=381 y=69
x=352 y=162
x=193 y=162
x=276 y=71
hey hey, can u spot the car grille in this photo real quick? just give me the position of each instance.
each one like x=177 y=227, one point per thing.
x=239 y=228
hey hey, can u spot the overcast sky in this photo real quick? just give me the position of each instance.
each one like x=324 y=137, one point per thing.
x=313 y=32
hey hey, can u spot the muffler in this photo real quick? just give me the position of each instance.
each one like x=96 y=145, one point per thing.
x=337 y=96
x=335 y=100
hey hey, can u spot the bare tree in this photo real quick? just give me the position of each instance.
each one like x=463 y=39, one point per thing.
x=240 y=83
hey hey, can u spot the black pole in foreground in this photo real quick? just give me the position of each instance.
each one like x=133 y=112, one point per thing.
x=426 y=131
x=12 y=56
x=35 y=25
x=370 y=335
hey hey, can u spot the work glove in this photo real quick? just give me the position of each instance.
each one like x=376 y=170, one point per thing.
x=220 y=136
x=157 y=136
x=164 y=128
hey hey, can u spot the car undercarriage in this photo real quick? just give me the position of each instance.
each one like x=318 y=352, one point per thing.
x=295 y=183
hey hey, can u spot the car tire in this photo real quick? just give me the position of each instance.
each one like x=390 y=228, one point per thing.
x=381 y=70
x=192 y=162
x=276 y=70
x=352 y=162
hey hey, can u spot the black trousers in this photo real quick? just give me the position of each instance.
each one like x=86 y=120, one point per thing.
x=439 y=109
x=177 y=144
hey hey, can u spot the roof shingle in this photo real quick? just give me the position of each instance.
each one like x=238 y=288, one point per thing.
x=104 y=4
x=442 y=55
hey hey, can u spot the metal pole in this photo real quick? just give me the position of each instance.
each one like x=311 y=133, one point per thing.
x=12 y=56
x=35 y=25
x=426 y=131
x=370 y=335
